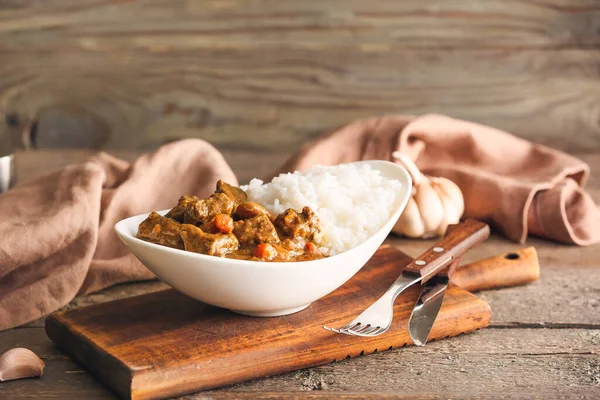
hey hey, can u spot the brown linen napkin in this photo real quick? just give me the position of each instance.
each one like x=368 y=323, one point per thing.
x=515 y=185
x=56 y=233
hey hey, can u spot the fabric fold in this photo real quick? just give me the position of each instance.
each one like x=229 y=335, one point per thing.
x=499 y=174
x=56 y=233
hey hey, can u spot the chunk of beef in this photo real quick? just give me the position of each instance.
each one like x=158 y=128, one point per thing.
x=249 y=210
x=234 y=193
x=201 y=211
x=293 y=224
x=194 y=239
x=161 y=230
x=253 y=231
x=221 y=223
x=178 y=212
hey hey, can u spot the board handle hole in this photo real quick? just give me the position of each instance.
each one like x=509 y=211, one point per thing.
x=512 y=256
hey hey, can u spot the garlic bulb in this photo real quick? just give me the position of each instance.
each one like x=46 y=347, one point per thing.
x=435 y=203
x=20 y=363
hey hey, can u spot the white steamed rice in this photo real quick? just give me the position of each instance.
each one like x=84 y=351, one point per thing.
x=352 y=201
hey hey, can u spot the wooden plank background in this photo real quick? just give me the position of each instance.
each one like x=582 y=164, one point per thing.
x=271 y=74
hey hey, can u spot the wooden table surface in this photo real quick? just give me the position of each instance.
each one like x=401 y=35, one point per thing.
x=543 y=342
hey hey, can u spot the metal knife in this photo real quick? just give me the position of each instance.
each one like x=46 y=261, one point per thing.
x=511 y=269
x=428 y=306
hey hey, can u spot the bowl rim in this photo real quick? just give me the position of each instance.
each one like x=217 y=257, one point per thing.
x=125 y=236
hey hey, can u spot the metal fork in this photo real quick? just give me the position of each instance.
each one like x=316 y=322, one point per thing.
x=377 y=319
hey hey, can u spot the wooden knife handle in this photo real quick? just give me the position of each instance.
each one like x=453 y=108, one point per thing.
x=449 y=270
x=460 y=238
x=510 y=269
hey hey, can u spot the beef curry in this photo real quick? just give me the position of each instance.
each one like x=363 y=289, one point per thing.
x=228 y=225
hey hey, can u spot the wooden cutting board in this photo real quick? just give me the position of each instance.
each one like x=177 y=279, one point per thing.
x=165 y=344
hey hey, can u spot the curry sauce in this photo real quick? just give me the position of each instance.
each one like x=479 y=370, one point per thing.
x=227 y=225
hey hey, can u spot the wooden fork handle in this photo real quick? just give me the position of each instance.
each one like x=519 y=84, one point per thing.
x=460 y=238
x=510 y=269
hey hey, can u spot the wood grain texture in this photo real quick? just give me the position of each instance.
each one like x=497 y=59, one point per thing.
x=408 y=23
x=518 y=267
x=274 y=74
x=246 y=165
x=164 y=344
x=516 y=363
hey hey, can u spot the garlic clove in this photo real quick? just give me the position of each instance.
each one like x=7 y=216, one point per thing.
x=20 y=363
x=453 y=214
x=432 y=210
x=451 y=191
x=410 y=223
x=450 y=215
x=453 y=206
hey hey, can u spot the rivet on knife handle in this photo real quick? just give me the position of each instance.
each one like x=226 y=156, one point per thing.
x=458 y=240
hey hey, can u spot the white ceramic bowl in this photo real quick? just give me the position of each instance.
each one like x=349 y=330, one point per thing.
x=264 y=289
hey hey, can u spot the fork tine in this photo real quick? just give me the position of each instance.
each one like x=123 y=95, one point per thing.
x=364 y=332
x=351 y=327
x=379 y=331
x=344 y=329
x=361 y=328
x=354 y=325
x=371 y=330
